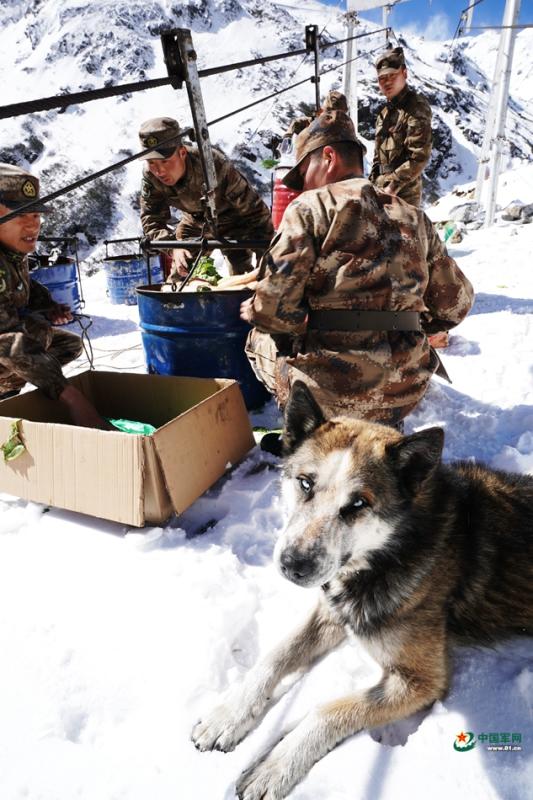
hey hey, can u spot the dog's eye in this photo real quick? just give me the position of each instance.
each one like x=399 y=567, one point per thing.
x=350 y=509
x=358 y=502
x=306 y=484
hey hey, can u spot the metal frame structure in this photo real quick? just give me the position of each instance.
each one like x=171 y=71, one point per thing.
x=494 y=139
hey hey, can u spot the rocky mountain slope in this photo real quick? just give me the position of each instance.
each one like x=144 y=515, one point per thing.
x=59 y=46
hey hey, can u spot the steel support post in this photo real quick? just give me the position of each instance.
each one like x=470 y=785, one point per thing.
x=311 y=45
x=350 y=68
x=507 y=42
x=180 y=58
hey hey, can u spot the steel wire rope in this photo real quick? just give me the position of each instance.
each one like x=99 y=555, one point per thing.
x=459 y=28
x=115 y=350
x=358 y=36
x=287 y=88
x=500 y=27
x=359 y=55
x=85 y=322
x=269 y=111
x=76 y=98
x=88 y=178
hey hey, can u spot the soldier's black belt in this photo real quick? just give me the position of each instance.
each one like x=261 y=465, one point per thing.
x=354 y=320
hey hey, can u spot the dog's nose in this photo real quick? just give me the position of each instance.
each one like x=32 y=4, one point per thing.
x=296 y=567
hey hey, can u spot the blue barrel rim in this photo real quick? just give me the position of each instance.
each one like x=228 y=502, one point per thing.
x=126 y=257
x=150 y=291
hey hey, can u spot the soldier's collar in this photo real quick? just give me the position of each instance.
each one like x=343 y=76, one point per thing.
x=400 y=98
x=12 y=255
x=350 y=177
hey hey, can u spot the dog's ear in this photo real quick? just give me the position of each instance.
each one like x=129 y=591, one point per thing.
x=303 y=415
x=416 y=456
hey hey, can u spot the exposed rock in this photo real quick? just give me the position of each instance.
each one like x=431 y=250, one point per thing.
x=466 y=212
x=527 y=213
x=513 y=211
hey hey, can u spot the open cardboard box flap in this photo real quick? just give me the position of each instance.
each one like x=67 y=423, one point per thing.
x=195 y=456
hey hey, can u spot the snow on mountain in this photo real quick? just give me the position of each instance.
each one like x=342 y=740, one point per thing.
x=62 y=46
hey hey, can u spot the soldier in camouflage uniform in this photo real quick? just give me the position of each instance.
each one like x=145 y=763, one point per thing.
x=350 y=286
x=335 y=101
x=31 y=350
x=403 y=132
x=173 y=177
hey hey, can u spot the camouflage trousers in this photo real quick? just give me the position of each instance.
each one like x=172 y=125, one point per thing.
x=410 y=192
x=339 y=388
x=25 y=360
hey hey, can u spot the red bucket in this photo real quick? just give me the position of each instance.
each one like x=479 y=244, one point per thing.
x=281 y=196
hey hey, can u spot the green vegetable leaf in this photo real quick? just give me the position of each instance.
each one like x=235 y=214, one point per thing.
x=14 y=447
x=206 y=270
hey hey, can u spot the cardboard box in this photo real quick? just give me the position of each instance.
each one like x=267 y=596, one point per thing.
x=202 y=427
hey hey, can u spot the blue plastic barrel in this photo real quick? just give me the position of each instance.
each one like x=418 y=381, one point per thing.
x=198 y=334
x=124 y=273
x=61 y=280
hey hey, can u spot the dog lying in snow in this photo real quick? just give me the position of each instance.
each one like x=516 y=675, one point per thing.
x=410 y=554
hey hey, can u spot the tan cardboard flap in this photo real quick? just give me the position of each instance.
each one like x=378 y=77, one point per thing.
x=196 y=448
x=156 y=399
x=93 y=472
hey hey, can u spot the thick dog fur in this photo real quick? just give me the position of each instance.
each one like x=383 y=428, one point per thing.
x=410 y=554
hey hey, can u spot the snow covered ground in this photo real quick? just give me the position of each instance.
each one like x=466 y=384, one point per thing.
x=115 y=640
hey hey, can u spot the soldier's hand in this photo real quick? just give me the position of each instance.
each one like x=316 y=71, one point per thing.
x=180 y=266
x=390 y=188
x=59 y=314
x=247 y=310
x=81 y=410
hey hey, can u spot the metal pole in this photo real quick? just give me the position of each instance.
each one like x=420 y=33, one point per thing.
x=349 y=22
x=350 y=70
x=311 y=44
x=385 y=22
x=205 y=244
x=507 y=42
x=469 y=15
x=180 y=58
x=489 y=129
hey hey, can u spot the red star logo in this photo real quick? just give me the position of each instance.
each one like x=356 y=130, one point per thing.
x=461 y=737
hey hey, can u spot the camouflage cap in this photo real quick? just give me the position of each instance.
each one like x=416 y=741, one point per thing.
x=18 y=188
x=335 y=101
x=158 y=130
x=329 y=127
x=297 y=125
x=389 y=61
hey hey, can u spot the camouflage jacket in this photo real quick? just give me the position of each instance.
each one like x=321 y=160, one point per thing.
x=24 y=333
x=241 y=212
x=348 y=246
x=403 y=145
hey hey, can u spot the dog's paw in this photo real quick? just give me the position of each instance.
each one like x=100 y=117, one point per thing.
x=274 y=775
x=264 y=781
x=222 y=729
